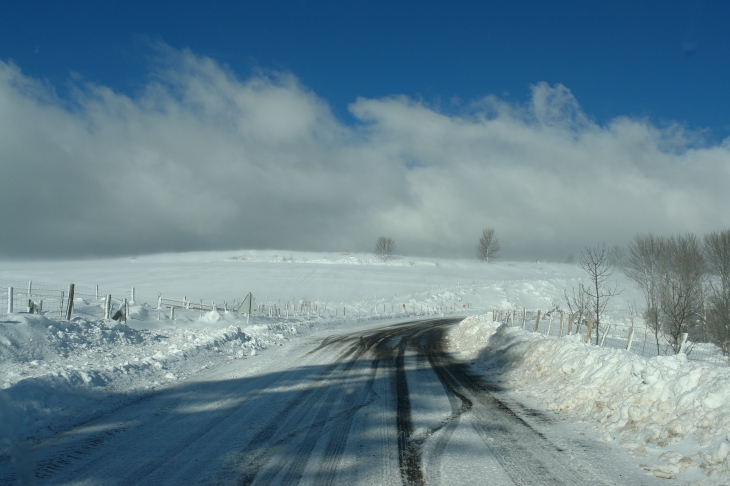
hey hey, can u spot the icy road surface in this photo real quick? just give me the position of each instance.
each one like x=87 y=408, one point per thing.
x=385 y=405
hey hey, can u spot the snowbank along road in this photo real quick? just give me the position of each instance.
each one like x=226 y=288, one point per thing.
x=379 y=406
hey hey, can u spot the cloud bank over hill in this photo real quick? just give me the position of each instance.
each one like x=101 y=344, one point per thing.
x=200 y=159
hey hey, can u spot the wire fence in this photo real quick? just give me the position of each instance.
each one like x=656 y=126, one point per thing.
x=611 y=335
x=90 y=302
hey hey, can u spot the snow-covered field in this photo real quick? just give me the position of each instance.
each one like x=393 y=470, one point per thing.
x=671 y=413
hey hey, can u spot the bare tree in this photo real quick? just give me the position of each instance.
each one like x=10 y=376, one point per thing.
x=644 y=264
x=717 y=256
x=597 y=264
x=384 y=248
x=488 y=244
x=682 y=288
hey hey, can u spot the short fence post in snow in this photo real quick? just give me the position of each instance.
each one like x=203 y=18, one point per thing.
x=570 y=324
x=682 y=341
x=132 y=299
x=97 y=292
x=589 y=328
x=30 y=306
x=631 y=338
x=524 y=316
x=10 y=300
x=30 y=285
x=603 y=336
x=159 y=300
x=560 y=330
x=70 y=303
x=60 y=307
x=172 y=312
x=537 y=321
x=550 y=324
x=107 y=305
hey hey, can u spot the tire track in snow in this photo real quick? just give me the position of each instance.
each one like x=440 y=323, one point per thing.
x=524 y=453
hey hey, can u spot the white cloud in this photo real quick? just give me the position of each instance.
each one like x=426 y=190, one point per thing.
x=202 y=159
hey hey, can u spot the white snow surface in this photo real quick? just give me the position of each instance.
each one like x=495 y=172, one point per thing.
x=671 y=413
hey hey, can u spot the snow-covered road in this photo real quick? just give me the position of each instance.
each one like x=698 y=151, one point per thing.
x=379 y=405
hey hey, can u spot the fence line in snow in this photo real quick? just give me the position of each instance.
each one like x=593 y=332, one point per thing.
x=637 y=340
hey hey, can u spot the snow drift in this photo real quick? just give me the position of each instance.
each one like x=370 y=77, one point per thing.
x=667 y=411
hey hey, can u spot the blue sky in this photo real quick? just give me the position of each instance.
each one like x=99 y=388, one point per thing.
x=128 y=129
x=664 y=60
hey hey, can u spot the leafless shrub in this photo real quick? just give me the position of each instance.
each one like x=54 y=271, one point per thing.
x=681 y=294
x=596 y=262
x=717 y=256
x=644 y=264
x=488 y=244
x=384 y=248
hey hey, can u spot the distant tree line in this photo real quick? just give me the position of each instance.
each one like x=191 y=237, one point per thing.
x=684 y=279
x=686 y=286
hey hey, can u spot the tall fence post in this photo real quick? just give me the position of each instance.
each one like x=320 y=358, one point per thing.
x=537 y=321
x=630 y=339
x=589 y=328
x=560 y=330
x=10 y=300
x=126 y=310
x=107 y=306
x=70 y=303
x=605 y=332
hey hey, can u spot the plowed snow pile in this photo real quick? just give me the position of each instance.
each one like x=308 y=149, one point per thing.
x=672 y=413
x=57 y=372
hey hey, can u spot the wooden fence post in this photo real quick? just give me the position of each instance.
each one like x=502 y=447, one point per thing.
x=70 y=303
x=560 y=330
x=550 y=323
x=132 y=299
x=60 y=307
x=605 y=332
x=590 y=328
x=10 y=300
x=570 y=324
x=524 y=316
x=107 y=306
x=537 y=321
x=630 y=339
x=30 y=286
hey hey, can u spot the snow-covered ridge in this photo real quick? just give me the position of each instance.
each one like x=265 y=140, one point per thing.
x=672 y=413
